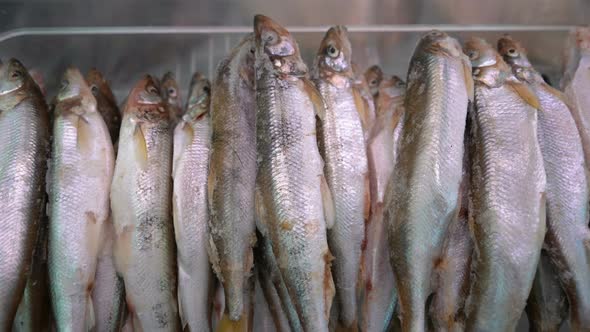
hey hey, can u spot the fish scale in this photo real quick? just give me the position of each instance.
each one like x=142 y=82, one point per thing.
x=24 y=131
x=423 y=199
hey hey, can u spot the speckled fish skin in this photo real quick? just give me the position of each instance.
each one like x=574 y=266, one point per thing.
x=23 y=153
x=342 y=146
x=171 y=95
x=507 y=193
x=568 y=236
x=105 y=102
x=108 y=293
x=547 y=305
x=79 y=182
x=192 y=143
x=454 y=266
x=142 y=215
x=378 y=293
x=232 y=175
x=290 y=175
x=423 y=199
x=33 y=314
x=576 y=82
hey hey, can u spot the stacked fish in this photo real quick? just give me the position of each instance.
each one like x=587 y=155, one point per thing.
x=280 y=198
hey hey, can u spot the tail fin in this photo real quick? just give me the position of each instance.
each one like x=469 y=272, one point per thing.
x=90 y=319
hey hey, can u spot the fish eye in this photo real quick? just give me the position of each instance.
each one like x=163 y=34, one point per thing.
x=172 y=92
x=206 y=89
x=94 y=89
x=270 y=37
x=16 y=74
x=512 y=52
x=473 y=54
x=332 y=51
x=252 y=50
x=373 y=82
x=64 y=84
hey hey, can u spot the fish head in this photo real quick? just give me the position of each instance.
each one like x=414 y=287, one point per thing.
x=438 y=42
x=13 y=76
x=74 y=87
x=245 y=59
x=277 y=47
x=99 y=85
x=393 y=87
x=169 y=89
x=513 y=52
x=199 y=97
x=480 y=53
x=374 y=76
x=334 y=54
x=145 y=102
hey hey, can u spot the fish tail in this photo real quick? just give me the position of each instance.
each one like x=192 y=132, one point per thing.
x=234 y=295
x=90 y=319
x=228 y=325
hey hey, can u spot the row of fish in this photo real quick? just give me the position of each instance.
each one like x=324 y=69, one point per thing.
x=283 y=198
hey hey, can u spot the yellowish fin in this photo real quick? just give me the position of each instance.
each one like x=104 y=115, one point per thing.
x=468 y=80
x=84 y=136
x=525 y=92
x=315 y=97
x=141 y=153
x=227 y=325
x=362 y=108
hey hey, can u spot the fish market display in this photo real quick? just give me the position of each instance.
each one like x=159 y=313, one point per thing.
x=171 y=95
x=568 y=235
x=342 y=146
x=378 y=293
x=424 y=194
x=24 y=134
x=79 y=182
x=575 y=82
x=142 y=214
x=192 y=142
x=232 y=176
x=507 y=192
x=105 y=102
x=293 y=201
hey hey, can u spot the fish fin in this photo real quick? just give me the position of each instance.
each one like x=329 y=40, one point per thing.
x=468 y=80
x=122 y=249
x=141 y=154
x=367 y=198
x=260 y=212
x=90 y=319
x=328 y=203
x=329 y=289
x=227 y=325
x=525 y=92
x=352 y=328
x=211 y=179
x=84 y=136
x=315 y=97
x=362 y=108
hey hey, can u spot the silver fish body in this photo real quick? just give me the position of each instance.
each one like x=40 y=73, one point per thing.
x=24 y=134
x=142 y=215
x=423 y=199
x=80 y=174
x=341 y=142
x=507 y=193
x=232 y=176
x=192 y=143
x=290 y=172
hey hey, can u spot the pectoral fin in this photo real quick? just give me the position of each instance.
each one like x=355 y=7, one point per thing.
x=469 y=85
x=315 y=97
x=84 y=136
x=525 y=92
x=141 y=153
x=362 y=108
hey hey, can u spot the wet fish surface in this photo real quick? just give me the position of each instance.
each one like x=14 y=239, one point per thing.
x=24 y=133
x=507 y=192
x=141 y=205
x=342 y=146
x=192 y=143
x=79 y=182
x=568 y=236
x=378 y=293
x=105 y=102
x=232 y=176
x=424 y=197
x=293 y=200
